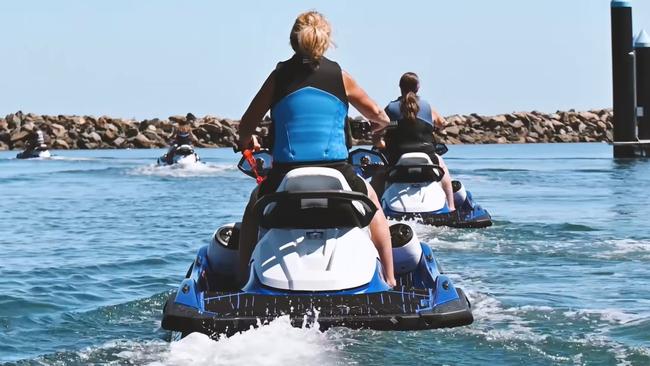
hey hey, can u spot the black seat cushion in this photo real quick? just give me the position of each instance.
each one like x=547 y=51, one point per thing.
x=312 y=213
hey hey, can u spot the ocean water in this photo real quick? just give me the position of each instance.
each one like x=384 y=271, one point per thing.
x=91 y=243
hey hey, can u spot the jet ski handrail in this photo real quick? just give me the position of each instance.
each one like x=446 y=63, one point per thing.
x=406 y=173
x=308 y=211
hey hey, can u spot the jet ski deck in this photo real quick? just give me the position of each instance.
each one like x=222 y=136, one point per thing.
x=469 y=215
x=34 y=154
x=229 y=313
x=315 y=262
x=423 y=299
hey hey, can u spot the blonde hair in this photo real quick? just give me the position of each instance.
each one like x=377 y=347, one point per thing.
x=311 y=35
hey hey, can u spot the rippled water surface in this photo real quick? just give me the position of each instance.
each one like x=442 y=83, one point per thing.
x=91 y=242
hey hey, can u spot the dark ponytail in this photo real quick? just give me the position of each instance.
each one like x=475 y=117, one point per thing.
x=410 y=106
x=409 y=84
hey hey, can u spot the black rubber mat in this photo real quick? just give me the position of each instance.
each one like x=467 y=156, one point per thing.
x=384 y=303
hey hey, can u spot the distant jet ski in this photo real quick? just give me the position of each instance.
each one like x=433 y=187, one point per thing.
x=181 y=155
x=38 y=152
x=314 y=262
x=35 y=147
x=413 y=191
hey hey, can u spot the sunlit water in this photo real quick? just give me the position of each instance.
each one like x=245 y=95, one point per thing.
x=91 y=242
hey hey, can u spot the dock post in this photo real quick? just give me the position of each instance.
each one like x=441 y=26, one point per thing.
x=623 y=78
x=642 y=51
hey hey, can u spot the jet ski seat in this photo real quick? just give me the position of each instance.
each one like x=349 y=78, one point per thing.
x=184 y=150
x=414 y=158
x=414 y=168
x=313 y=179
x=315 y=198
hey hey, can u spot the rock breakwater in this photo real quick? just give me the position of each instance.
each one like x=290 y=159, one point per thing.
x=88 y=132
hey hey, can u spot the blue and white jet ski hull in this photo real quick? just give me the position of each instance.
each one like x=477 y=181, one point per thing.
x=468 y=213
x=315 y=262
x=424 y=298
x=35 y=154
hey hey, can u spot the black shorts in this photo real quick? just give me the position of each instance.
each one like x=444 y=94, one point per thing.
x=277 y=173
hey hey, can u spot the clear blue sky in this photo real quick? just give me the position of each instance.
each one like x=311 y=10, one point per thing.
x=155 y=58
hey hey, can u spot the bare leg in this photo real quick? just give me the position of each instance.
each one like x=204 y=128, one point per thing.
x=446 y=184
x=381 y=238
x=247 y=237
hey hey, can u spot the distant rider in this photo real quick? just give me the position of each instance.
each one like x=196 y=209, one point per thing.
x=416 y=122
x=36 y=140
x=182 y=136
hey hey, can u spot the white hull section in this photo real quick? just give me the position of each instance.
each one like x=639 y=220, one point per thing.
x=327 y=259
x=414 y=197
x=44 y=154
x=186 y=160
x=315 y=260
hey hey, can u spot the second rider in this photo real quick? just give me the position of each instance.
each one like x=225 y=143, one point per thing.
x=416 y=122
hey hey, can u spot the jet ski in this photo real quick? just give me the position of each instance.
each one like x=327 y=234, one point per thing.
x=413 y=191
x=35 y=146
x=314 y=261
x=179 y=155
x=40 y=151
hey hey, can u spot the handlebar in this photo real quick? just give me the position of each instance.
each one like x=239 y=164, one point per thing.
x=255 y=145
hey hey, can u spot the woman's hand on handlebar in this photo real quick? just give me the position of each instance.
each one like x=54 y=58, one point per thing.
x=252 y=143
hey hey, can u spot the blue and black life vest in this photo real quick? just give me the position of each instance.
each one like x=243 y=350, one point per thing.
x=395 y=113
x=309 y=112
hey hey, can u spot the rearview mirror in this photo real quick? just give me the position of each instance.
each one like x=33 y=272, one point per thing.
x=367 y=162
x=263 y=162
x=365 y=157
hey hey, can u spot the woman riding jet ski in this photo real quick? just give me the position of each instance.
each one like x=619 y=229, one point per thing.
x=308 y=96
x=417 y=183
x=180 y=150
x=313 y=241
x=35 y=147
x=315 y=262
